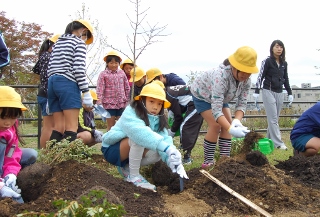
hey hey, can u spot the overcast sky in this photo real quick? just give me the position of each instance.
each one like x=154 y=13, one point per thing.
x=202 y=33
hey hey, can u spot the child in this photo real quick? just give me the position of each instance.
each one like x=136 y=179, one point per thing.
x=113 y=88
x=4 y=52
x=67 y=79
x=185 y=118
x=140 y=138
x=170 y=79
x=139 y=80
x=87 y=129
x=41 y=69
x=305 y=135
x=126 y=66
x=12 y=158
x=212 y=90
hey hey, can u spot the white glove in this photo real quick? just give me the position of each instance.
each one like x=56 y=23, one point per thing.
x=47 y=109
x=10 y=180
x=87 y=99
x=236 y=123
x=5 y=191
x=181 y=171
x=238 y=132
x=290 y=98
x=174 y=158
x=170 y=133
x=98 y=136
x=16 y=189
x=255 y=96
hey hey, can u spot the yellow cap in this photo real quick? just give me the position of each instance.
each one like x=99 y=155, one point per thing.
x=54 y=38
x=112 y=53
x=10 y=98
x=244 y=59
x=152 y=73
x=159 y=83
x=127 y=61
x=155 y=91
x=88 y=25
x=139 y=74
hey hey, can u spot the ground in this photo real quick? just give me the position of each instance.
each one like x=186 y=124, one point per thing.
x=291 y=188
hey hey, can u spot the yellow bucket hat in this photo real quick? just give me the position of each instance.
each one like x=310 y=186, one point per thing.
x=139 y=74
x=10 y=98
x=159 y=83
x=245 y=60
x=89 y=26
x=154 y=90
x=112 y=53
x=127 y=61
x=152 y=73
x=54 y=38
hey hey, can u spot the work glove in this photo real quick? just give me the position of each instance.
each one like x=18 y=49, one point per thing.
x=170 y=133
x=255 y=96
x=290 y=98
x=10 y=180
x=98 y=136
x=87 y=99
x=236 y=123
x=16 y=189
x=181 y=171
x=238 y=132
x=5 y=191
x=174 y=158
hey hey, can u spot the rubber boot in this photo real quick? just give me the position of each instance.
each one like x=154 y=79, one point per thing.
x=70 y=135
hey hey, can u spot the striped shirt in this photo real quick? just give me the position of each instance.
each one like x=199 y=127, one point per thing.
x=113 y=89
x=68 y=58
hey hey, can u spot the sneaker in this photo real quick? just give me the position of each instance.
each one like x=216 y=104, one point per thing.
x=187 y=161
x=140 y=181
x=283 y=147
x=124 y=171
x=207 y=165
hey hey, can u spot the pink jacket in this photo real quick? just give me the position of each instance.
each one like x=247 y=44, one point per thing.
x=13 y=153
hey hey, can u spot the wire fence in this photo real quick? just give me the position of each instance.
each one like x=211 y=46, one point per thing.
x=39 y=115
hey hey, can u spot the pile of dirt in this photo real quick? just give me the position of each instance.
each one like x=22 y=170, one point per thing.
x=289 y=189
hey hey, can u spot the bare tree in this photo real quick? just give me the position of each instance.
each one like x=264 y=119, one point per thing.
x=96 y=50
x=142 y=30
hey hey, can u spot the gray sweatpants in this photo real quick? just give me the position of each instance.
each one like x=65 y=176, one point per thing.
x=272 y=102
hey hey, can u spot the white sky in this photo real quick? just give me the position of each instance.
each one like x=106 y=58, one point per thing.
x=203 y=32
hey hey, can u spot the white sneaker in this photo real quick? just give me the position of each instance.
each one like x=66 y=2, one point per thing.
x=283 y=147
x=140 y=181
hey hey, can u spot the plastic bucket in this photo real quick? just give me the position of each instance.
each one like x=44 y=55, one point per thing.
x=265 y=146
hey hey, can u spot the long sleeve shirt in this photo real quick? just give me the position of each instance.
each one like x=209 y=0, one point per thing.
x=12 y=155
x=131 y=126
x=218 y=86
x=273 y=76
x=68 y=58
x=113 y=89
x=41 y=68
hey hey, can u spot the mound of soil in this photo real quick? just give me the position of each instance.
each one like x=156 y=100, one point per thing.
x=291 y=188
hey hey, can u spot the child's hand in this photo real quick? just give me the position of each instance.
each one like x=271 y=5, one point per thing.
x=5 y=191
x=87 y=99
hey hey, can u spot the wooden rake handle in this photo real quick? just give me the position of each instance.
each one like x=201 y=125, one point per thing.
x=239 y=196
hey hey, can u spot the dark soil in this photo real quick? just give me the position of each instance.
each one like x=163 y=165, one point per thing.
x=291 y=188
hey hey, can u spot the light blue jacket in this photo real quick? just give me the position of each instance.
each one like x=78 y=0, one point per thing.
x=131 y=126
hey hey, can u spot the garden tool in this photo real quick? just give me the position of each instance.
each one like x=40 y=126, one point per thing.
x=182 y=175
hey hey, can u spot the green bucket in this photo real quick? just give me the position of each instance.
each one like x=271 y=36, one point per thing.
x=265 y=146
x=170 y=122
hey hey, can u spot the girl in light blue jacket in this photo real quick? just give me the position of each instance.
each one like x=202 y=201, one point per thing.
x=140 y=138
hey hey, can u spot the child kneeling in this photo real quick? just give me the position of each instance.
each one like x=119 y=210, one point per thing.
x=140 y=138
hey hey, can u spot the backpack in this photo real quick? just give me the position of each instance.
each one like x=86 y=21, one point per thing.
x=4 y=52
